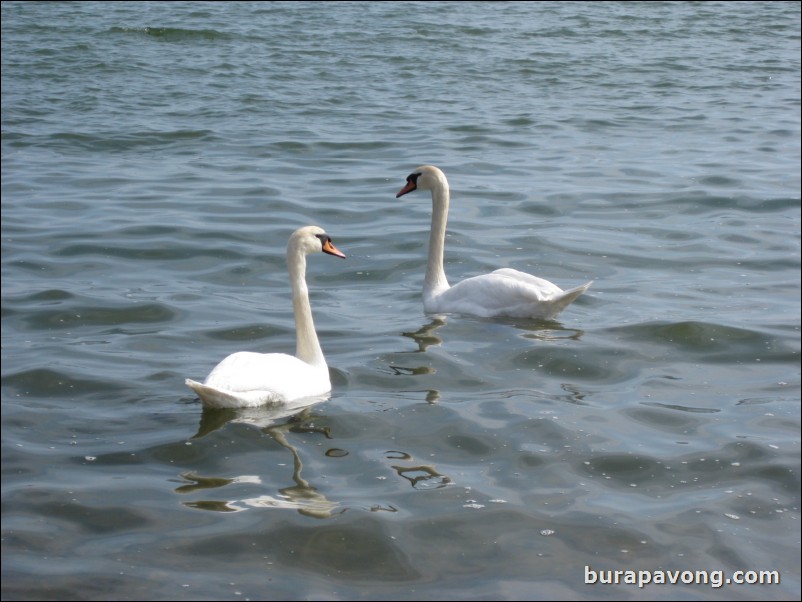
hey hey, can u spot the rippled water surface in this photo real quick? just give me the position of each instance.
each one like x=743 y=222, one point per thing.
x=155 y=159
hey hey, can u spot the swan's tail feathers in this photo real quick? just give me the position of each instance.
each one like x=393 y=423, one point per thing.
x=569 y=297
x=575 y=292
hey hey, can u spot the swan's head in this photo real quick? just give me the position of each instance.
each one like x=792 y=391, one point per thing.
x=425 y=177
x=312 y=239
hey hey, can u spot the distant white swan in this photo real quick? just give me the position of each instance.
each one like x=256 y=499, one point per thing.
x=246 y=379
x=505 y=292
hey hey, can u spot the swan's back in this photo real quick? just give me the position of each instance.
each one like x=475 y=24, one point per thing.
x=247 y=379
x=505 y=292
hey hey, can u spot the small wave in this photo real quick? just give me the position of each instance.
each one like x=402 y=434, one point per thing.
x=173 y=34
x=715 y=342
x=45 y=382
x=83 y=316
x=124 y=142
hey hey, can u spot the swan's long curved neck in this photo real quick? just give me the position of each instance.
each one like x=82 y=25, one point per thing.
x=307 y=346
x=435 y=281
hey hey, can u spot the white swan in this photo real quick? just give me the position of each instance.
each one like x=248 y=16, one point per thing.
x=505 y=292
x=246 y=379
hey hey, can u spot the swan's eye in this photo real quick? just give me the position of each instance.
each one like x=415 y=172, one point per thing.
x=413 y=178
x=324 y=238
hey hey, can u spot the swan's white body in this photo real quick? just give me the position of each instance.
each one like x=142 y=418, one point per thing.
x=246 y=379
x=505 y=292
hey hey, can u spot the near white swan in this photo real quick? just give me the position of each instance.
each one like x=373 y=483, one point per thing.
x=246 y=379
x=505 y=292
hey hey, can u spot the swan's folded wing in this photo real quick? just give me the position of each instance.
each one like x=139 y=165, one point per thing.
x=540 y=287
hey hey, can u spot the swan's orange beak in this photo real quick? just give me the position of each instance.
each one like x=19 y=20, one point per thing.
x=329 y=248
x=410 y=186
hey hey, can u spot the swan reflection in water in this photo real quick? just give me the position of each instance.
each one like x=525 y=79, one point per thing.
x=529 y=328
x=301 y=496
x=425 y=336
x=420 y=476
x=277 y=423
